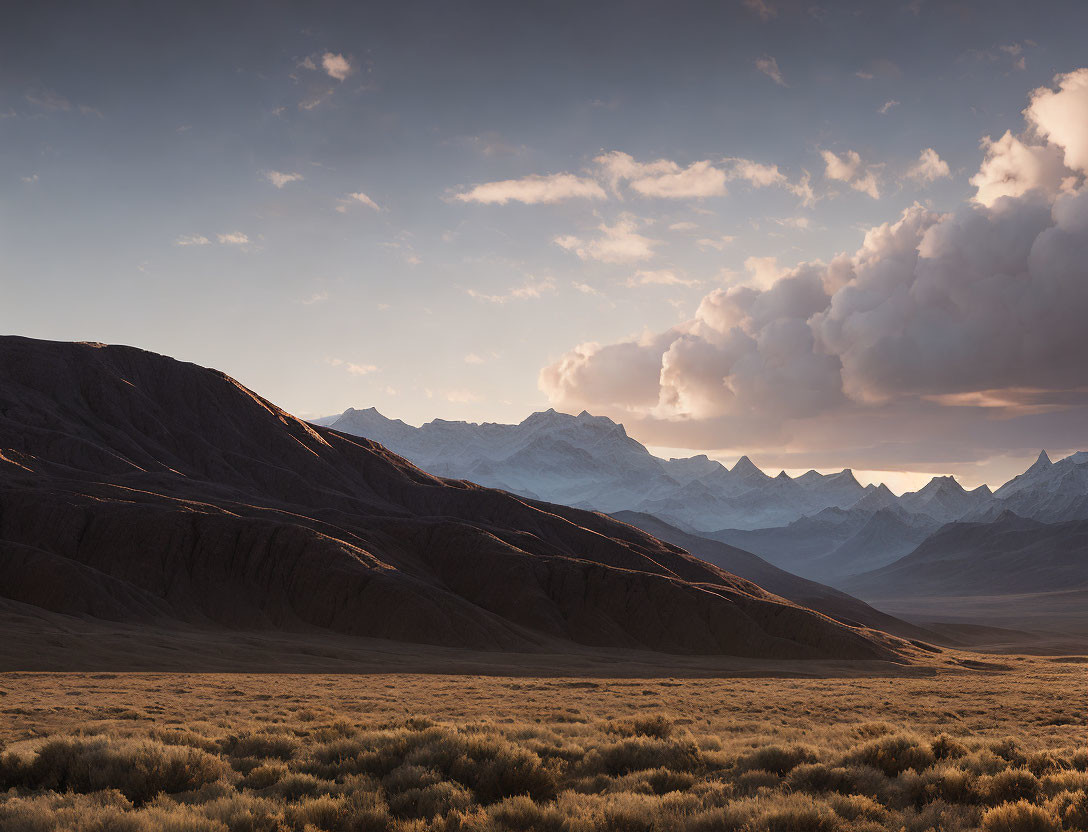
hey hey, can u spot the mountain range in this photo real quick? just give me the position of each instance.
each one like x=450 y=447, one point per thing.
x=827 y=527
x=141 y=490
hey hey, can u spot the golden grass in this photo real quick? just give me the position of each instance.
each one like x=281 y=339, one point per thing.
x=998 y=751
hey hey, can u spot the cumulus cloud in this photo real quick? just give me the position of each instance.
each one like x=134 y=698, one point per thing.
x=280 y=179
x=967 y=325
x=1058 y=116
x=769 y=67
x=1013 y=168
x=850 y=169
x=617 y=243
x=336 y=66
x=534 y=190
x=929 y=168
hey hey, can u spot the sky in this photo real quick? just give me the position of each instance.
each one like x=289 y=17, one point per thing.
x=838 y=234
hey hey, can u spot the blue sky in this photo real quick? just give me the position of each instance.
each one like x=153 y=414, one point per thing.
x=285 y=192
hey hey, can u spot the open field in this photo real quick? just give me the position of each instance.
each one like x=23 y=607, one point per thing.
x=958 y=749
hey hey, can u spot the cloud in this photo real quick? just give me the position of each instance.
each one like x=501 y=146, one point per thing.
x=336 y=66
x=1013 y=168
x=756 y=174
x=462 y=397
x=886 y=106
x=30 y=180
x=660 y=277
x=473 y=358
x=849 y=168
x=769 y=67
x=1058 y=116
x=354 y=369
x=929 y=167
x=192 y=240
x=280 y=179
x=233 y=238
x=48 y=100
x=531 y=288
x=618 y=243
x=718 y=243
x=534 y=190
x=662 y=178
x=316 y=297
x=357 y=198
x=586 y=289
x=764 y=10
x=943 y=336
x=684 y=226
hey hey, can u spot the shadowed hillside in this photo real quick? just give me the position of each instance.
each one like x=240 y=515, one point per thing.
x=137 y=488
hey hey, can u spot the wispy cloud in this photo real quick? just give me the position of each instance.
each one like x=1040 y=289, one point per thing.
x=531 y=288
x=660 y=277
x=357 y=198
x=769 y=67
x=462 y=397
x=762 y=9
x=533 y=190
x=316 y=297
x=192 y=240
x=233 y=238
x=886 y=106
x=354 y=369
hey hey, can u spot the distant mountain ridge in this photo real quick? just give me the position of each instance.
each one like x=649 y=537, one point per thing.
x=590 y=462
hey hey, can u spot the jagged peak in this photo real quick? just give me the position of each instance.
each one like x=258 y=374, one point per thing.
x=1042 y=461
x=782 y=475
x=983 y=489
x=745 y=466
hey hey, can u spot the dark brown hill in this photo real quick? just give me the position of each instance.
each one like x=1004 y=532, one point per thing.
x=138 y=488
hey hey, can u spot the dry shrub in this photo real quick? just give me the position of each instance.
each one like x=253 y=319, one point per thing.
x=429 y=801
x=1010 y=786
x=1064 y=781
x=857 y=807
x=1008 y=749
x=751 y=782
x=139 y=770
x=657 y=726
x=815 y=778
x=1070 y=808
x=893 y=754
x=637 y=753
x=946 y=748
x=868 y=730
x=261 y=745
x=328 y=813
x=775 y=758
x=654 y=781
x=797 y=813
x=264 y=776
x=1019 y=817
x=105 y=811
x=244 y=813
x=297 y=784
x=944 y=783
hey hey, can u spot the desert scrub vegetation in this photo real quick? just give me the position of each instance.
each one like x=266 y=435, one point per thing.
x=444 y=754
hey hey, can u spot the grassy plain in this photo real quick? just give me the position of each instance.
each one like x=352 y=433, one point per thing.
x=997 y=749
